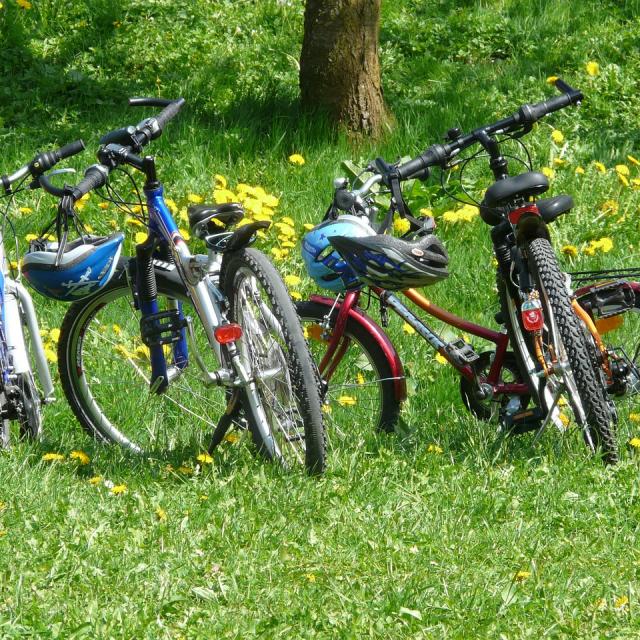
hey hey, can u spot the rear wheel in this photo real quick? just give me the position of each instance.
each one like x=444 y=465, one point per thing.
x=360 y=392
x=565 y=352
x=289 y=425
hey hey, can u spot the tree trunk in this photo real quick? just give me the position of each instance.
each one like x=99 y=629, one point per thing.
x=339 y=67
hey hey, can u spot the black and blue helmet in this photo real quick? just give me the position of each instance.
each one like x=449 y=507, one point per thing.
x=86 y=265
x=324 y=264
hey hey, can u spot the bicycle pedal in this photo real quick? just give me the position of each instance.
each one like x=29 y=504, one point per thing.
x=164 y=327
x=461 y=352
x=522 y=422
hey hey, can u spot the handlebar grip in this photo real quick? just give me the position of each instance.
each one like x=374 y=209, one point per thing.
x=433 y=156
x=530 y=113
x=70 y=149
x=149 y=102
x=169 y=112
x=47 y=159
x=575 y=94
x=94 y=177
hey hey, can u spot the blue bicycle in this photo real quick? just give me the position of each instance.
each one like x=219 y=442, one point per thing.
x=141 y=356
x=20 y=399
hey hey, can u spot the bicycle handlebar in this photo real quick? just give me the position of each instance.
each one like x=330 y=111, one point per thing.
x=42 y=162
x=526 y=116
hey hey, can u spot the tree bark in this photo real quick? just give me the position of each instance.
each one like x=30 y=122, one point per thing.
x=339 y=66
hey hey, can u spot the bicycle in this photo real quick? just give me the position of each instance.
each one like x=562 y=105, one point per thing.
x=126 y=352
x=20 y=399
x=553 y=351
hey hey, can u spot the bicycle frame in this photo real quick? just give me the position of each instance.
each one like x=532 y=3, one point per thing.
x=16 y=311
x=338 y=345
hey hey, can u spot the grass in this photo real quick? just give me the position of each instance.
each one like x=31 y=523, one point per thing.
x=485 y=539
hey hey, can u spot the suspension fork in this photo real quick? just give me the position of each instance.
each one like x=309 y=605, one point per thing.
x=339 y=343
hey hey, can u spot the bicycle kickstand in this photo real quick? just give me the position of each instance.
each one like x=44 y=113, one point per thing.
x=547 y=419
x=231 y=412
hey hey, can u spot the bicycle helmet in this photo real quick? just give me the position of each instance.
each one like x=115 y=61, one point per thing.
x=325 y=265
x=87 y=264
x=392 y=263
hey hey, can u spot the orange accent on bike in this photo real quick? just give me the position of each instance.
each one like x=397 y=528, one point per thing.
x=586 y=318
x=537 y=343
x=604 y=325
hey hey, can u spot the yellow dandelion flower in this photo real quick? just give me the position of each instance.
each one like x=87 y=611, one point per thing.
x=401 y=226
x=30 y=237
x=635 y=183
x=621 y=602
x=623 y=179
x=204 y=497
x=310 y=577
x=142 y=353
x=580 y=171
x=609 y=206
x=297 y=159
x=118 y=489
x=54 y=335
x=295 y=295
x=171 y=204
x=204 y=458
x=605 y=244
x=552 y=79
x=270 y=201
x=521 y=576
x=600 y=167
x=326 y=408
x=434 y=448
x=592 y=68
x=408 y=329
x=307 y=226
x=288 y=220
x=564 y=418
x=569 y=250
x=25 y=4
x=134 y=222
x=440 y=359
x=113 y=223
x=116 y=329
x=557 y=136
x=186 y=236
x=50 y=354
x=559 y=162
x=292 y=281
x=220 y=181
x=52 y=457
x=346 y=401
x=288 y=244
x=103 y=205
x=635 y=443
x=80 y=456
x=634 y=417
x=184 y=469
x=549 y=172
x=622 y=169
x=232 y=438
x=96 y=480
x=140 y=237
x=277 y=254
x=426 y=212
x=161 y=514
x=195 y=198
x=359 y=378
x=24 y=210
x=633 y=160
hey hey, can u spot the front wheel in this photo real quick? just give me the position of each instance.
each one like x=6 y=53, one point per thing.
x=29 y=407
x=286 y=421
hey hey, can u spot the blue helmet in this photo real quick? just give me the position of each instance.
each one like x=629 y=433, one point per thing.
x=87 y=264
x=324 y=264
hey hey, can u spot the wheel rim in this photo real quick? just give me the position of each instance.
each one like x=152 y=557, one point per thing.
x=111 y=369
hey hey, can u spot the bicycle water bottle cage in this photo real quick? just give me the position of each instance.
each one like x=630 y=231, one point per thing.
x=206 y=219
x=164 y=327
x=525 y=185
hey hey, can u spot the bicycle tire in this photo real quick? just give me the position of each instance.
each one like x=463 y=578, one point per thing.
x=363 y=368
x=571 y=340
x=273 y=340
x=112 y=402
x=29 y=407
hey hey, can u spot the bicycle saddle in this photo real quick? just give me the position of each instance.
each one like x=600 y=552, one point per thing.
x=527 y=184
x=201 y=216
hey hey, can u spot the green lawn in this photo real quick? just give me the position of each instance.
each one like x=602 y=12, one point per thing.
x=486 y=539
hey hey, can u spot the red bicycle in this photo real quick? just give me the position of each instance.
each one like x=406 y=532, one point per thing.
x=549 y=347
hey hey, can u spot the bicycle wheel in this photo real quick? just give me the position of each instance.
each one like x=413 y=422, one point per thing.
x=563 y=343
x=104 y=369
x=29 y=407
x=274 y=347
x=361 y=389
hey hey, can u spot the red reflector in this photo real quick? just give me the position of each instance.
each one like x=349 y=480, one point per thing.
x=226 y=333
x=516 y=214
